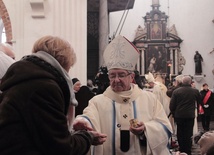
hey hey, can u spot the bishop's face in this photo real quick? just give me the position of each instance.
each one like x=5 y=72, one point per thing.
x=120 y=79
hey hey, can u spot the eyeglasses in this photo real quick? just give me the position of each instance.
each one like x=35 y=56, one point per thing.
x=120 y=76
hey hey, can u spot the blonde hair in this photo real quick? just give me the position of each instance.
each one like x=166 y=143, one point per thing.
x=59 y=48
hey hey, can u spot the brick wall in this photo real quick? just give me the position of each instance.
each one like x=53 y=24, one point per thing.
x=6 y=20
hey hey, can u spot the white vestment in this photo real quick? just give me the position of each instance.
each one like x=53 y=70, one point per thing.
x=160 y=91
x=110 y=112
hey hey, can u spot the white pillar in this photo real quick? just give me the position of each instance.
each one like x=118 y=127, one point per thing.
x=66 y=19
x=103 y=29
x=70 y=22
x=142 y=61
x=1 y=29
x=139 y=61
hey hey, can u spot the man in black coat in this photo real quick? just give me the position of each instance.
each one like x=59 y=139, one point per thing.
x=207 y=106
x=182 y=107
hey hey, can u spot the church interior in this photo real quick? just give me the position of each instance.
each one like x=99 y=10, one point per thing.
x=173 y=37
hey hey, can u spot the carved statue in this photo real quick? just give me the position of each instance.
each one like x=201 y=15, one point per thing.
x=198 y=59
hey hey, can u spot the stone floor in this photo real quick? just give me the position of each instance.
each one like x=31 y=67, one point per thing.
x=195 y=147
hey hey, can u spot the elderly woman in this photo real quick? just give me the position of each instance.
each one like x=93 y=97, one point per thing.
x=36 y=95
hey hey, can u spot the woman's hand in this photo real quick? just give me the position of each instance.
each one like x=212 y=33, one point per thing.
x=99 y=138
x=82 y=124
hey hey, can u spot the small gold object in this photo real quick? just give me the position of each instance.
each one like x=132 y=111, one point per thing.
x=133 y=122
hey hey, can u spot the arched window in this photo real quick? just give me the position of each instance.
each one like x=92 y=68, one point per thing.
x=2 y=32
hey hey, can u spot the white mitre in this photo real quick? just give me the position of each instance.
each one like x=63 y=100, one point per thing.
x=121 y=53
x=149 y=77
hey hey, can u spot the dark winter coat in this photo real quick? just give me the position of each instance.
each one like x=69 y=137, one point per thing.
x=33 y=107
x=171 y=89
x=183 y=100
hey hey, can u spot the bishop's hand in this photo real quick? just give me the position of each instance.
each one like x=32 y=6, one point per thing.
x=139 y=129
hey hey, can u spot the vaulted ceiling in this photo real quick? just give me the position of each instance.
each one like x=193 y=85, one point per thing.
x=113 y=5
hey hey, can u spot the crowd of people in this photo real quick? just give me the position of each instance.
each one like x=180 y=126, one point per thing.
x=44 y=111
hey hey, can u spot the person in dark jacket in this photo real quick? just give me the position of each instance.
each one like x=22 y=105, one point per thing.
x=138 y=80
x=182 y=107
x=83 y=96
x=207 y=106
x=177 y=82
x=101 y=80
x=76 y=84
x=36 y=93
